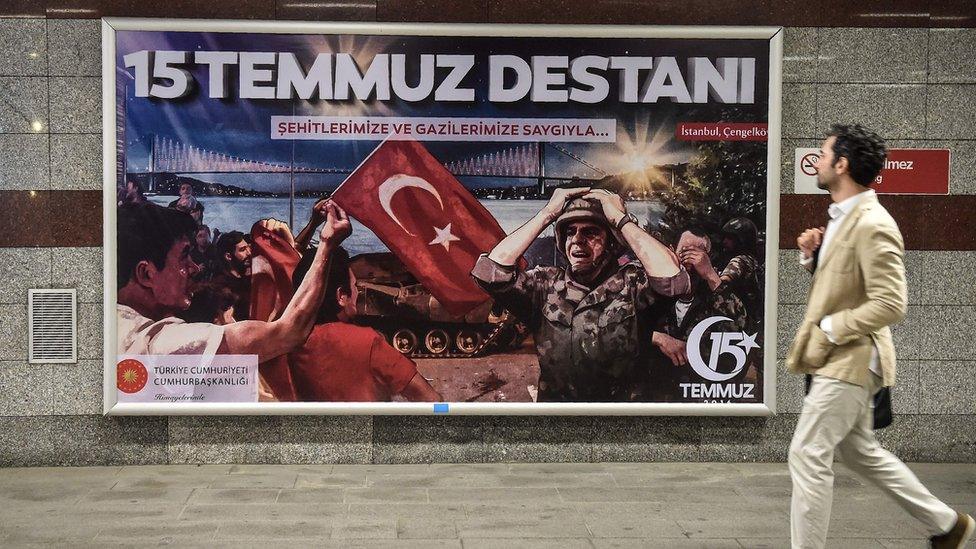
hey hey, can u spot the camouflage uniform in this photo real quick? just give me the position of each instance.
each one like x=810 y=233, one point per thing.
x=704 y=304
x=592 y=345
x=744 y=273
x=741 y=267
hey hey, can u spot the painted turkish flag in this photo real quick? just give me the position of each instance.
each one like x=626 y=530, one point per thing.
x=425 y=216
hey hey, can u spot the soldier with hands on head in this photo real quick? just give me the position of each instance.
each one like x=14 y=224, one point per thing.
x=583 y=318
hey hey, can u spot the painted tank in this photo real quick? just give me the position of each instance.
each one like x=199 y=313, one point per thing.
x=394 y=303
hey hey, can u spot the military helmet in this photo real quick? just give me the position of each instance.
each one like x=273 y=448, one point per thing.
x=584 y=209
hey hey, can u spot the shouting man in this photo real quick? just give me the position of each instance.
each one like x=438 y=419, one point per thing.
x=583 y=319
x=154 y=284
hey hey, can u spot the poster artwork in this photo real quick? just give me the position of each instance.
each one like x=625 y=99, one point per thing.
x=350 y=218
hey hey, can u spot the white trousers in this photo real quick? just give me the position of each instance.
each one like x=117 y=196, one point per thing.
x=840 y=415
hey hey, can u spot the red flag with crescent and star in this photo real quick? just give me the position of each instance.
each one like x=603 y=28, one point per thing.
x=425 y=216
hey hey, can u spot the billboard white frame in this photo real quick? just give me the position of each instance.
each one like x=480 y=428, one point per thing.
x=111 y=406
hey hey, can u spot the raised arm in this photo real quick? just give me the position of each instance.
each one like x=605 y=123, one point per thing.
x=304 y=238
x=511 y=248
x=271 y=339
x=658 y=260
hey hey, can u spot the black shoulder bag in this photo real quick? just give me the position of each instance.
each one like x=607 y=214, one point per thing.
x=883 y=415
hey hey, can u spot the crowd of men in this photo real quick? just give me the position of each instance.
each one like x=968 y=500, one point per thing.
x=180 y=293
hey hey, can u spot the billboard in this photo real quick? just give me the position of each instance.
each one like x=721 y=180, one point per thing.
x=428 y=219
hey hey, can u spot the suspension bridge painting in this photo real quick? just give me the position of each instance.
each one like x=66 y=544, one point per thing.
x=406 y=219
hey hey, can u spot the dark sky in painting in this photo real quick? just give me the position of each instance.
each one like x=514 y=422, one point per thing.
x=242 y=128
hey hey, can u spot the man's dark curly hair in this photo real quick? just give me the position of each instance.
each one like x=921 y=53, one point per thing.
x=146 y=232
x=864 y=150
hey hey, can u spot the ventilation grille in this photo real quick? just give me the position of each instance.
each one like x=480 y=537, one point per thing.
x=53 y=332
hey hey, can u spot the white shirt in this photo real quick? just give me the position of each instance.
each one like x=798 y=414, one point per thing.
x=838 y=212
x=138 y=335
x=681 y=309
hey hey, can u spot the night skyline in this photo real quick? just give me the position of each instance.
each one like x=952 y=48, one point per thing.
x=241 y=127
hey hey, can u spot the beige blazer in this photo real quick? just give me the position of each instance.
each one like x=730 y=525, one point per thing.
x=860 y=283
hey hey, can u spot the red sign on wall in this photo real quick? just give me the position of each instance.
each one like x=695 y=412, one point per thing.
x=915 y=171
x=906 y=171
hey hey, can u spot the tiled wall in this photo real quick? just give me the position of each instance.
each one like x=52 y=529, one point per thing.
x=916 y=85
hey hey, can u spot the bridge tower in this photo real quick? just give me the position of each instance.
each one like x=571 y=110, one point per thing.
x=540 y=148
x=152 y=163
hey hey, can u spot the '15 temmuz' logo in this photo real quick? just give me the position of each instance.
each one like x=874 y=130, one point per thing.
x=735 y=344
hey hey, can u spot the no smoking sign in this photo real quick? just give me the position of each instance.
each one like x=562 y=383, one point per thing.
x=805 y=171
x=808 y=164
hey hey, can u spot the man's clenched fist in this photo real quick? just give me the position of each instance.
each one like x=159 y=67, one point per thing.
x=809 y=240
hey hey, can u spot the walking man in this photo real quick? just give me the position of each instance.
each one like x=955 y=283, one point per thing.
x=844 y=341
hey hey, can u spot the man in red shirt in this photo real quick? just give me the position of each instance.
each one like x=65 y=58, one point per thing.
x=343 y=362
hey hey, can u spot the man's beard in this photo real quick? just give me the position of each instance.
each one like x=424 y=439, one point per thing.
x=240 y=267
x=821 y=184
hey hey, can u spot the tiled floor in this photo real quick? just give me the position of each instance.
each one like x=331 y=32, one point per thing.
x=599 y=505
